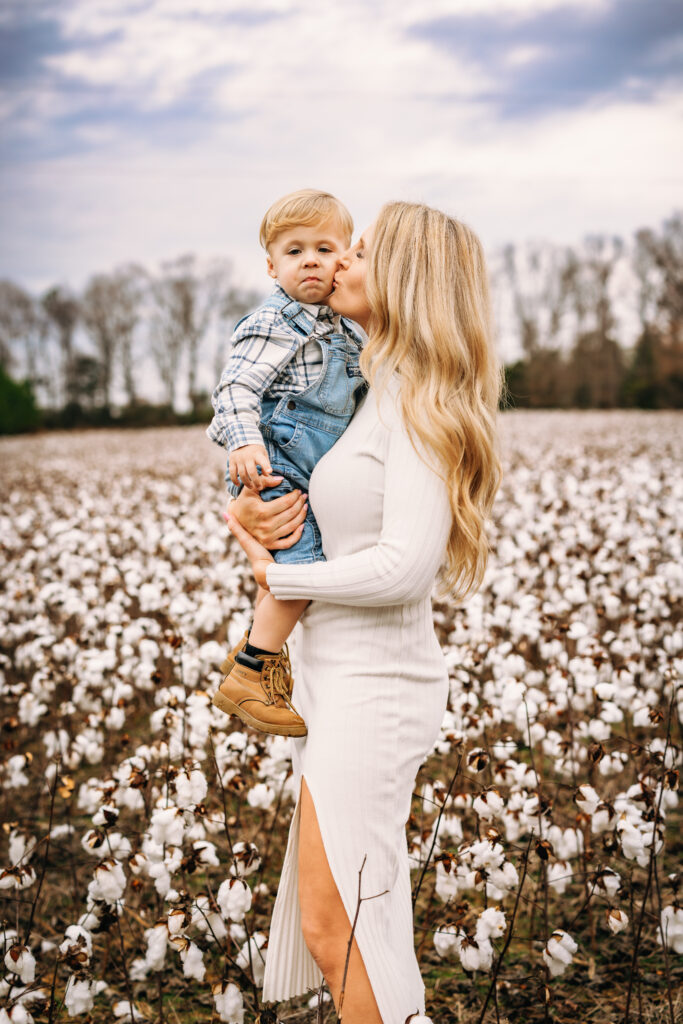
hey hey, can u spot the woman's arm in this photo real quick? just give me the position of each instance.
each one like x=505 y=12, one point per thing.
x=401 y=567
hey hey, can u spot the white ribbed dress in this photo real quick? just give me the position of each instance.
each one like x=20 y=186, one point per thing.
x=372 y=686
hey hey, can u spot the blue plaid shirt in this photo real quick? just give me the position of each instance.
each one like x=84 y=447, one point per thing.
x=268 y=357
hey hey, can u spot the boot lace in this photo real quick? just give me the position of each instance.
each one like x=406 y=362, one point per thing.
x=276 y=679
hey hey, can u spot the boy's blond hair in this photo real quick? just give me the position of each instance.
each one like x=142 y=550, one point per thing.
x=306 y=206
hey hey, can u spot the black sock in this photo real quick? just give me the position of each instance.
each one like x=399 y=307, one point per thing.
x=256 y=652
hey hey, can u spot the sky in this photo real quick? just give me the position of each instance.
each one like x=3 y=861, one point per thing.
x=143 y=129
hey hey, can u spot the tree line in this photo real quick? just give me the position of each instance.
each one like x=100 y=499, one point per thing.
x=561 y=303
x=564 y=304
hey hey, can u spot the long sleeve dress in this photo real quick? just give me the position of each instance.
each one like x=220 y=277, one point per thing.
x=372 y=686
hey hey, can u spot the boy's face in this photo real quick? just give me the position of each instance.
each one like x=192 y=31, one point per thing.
x=304 y=259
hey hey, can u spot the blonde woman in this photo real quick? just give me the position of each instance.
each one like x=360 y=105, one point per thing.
x=407 y=488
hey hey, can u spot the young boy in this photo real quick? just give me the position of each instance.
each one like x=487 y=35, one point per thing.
x=287 y=393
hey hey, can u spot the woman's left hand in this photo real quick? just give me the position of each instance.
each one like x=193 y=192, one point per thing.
x=259 y=556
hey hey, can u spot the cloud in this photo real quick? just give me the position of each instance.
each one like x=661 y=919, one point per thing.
x=540 y=62
x=138 y=129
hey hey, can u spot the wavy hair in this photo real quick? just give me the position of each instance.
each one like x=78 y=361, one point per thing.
x=427 y=288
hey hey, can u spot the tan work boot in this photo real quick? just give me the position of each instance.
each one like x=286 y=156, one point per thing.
x=226 y=666
x=258 y=690
x=230 y=657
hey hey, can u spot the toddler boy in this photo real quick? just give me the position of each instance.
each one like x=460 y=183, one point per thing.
x=287 y=393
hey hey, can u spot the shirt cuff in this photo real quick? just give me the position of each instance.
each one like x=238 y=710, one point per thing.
x=239 y=434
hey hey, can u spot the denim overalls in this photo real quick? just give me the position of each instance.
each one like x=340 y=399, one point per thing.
x=298 y=429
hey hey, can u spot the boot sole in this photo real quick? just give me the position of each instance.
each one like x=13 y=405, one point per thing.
x=230 y=708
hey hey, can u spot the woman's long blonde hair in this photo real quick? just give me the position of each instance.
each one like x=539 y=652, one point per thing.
x=427 y=286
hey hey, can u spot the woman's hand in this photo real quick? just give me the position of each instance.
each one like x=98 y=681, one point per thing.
x=259 y=556
x=275 y=524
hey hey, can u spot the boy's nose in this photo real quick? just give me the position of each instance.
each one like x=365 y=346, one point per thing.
x=311 y=260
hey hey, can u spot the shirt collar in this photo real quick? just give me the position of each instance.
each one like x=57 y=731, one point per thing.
x=322 y=314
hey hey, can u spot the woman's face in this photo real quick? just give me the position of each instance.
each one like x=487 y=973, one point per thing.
x=348 y=296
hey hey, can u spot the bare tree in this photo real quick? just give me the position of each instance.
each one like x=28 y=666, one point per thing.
x=63 y=311
x=111 y=311
x=536 y=274
x=659 y=266
x=236 y=303
x=23 y=326
x=186 y=300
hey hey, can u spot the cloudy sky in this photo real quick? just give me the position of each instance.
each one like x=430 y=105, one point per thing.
x=142 y=129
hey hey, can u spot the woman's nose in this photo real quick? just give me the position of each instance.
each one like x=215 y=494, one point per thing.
x=344 y=260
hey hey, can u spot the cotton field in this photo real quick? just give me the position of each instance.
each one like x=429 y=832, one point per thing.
x=143 y=831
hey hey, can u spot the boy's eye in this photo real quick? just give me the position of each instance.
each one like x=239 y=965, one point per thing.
x=293 y=252
x=325 y=248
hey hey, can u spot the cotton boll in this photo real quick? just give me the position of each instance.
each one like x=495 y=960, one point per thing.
x=505 y=880
x=234 y=898
x=21 y=846
x=228 y=1002
x=157 y=944
x=20 y=960
x=672 y=928
x=617 y=920
x=207 y=919
x=446 y=941
x=632 y=845
x=193 y=962
x=559 y=875
x=77 y=944
x=489 y=804
x=446 y=882
x=490 y=924
x=559 y=952
x=587 y=799
x=246 y=859
x=176 y=922
x=261 y=796
x=258 y=956
x=205 y=853
x=79 y=996
x=191 y=787
x=450 y=829
x=127 y=1014
x=475 y=955
x=167 y=825
x=108 y=883
x=609 y=881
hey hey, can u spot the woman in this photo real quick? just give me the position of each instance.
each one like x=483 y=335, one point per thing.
x=408 y=485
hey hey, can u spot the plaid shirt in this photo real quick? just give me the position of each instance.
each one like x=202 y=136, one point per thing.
x=268 y=357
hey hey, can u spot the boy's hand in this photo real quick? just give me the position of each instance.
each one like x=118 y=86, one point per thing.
x=243 y=464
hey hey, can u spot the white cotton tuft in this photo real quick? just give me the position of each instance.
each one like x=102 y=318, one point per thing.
x=234 y=898
x=617 y=920
x=79 y=996
x=672 y=928
x=446 y=941
x=229 y=1003
x=559 y=952
x=20 y=960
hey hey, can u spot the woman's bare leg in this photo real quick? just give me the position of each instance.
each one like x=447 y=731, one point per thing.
x=326 y=925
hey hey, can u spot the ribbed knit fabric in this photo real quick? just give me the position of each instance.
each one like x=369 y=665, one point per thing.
x=372 y=686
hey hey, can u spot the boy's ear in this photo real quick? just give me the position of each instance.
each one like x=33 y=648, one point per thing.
x=271 y=269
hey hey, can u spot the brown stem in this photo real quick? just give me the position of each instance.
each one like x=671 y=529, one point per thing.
x=508 y=937
x=416 y=892
x=361 y=899
x=650 y=871
x=53 y=794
